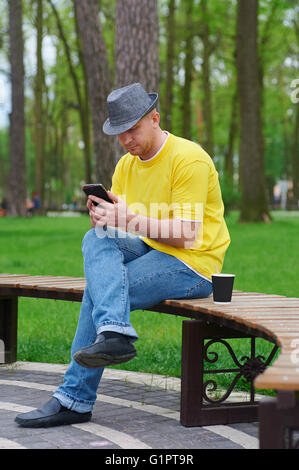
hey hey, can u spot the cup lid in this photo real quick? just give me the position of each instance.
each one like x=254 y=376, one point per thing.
x=223 y=275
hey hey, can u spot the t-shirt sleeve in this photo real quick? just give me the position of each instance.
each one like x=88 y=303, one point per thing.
x=190 y=190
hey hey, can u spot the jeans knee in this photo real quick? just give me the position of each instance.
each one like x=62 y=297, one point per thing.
x=95 y=238
x=88 y=238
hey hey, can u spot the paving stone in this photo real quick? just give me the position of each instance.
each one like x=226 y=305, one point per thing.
x=154 y=430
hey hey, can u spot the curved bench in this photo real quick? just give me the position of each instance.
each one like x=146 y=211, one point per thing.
x=249 y=315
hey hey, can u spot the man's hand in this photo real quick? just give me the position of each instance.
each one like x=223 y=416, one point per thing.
x=174 y=232
x=107 y=214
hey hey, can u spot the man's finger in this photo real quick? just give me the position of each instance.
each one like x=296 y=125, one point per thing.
x=112 y=196
x=99 y=200
x=101 y=223
x=100 y=211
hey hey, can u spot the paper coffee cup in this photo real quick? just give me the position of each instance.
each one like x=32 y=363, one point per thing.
x=222 y=287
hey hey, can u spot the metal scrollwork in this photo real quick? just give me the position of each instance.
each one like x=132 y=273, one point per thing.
x=214 y=388
x=226 y=344
x=253 y=366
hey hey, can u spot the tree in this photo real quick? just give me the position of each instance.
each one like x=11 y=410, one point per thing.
x=188 y=67
x=136 y=44
x=295 y=149
x=39 y=108
x=254 y=206
x=169 y=64
x=17 y=175
x=82 y=98
x=295 y=158
x=228 y=162
x=208 y=49
x=99 y=85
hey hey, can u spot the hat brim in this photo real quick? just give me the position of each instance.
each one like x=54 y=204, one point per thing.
x=109 y=129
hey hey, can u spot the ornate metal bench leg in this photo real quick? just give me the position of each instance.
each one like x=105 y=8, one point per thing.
x=197 y=407
x=279 y=421
x=8 y=329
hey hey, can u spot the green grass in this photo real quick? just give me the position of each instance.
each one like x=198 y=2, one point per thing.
x=263 y=257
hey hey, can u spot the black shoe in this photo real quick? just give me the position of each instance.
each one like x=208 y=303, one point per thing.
x=51 y=413
x=109 y=348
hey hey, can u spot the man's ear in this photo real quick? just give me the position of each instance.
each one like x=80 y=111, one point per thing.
x=156 y=118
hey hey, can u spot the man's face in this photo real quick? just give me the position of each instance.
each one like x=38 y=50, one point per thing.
x=139 y=139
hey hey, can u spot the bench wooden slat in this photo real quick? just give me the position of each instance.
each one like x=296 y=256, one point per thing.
x=288 y=322
x=38 y=282
x=12 y=277
x=284 y=360
x=37 y=276
x=288 y=344
x=273 y=313
x=287 y=370
x=245 y=304
x=53 y=283
x=279 y=382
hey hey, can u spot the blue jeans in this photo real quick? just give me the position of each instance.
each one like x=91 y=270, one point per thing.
x=122 y=274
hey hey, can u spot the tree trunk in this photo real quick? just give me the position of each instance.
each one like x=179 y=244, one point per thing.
x=199 y=120
x=254 y=205
x=206 y=80
x=188 y=66
x=136 y=44
x=83 y=115
x=97 y=70
x=229 y=161
x=169 y=64
x=85 y=118
x=295 y=150
x=17 y=176
x=39 y=111
x=2 y=169
x=295 y=159
x=136 y=47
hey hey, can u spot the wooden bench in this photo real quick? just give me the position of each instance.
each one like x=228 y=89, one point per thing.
x=250 y=315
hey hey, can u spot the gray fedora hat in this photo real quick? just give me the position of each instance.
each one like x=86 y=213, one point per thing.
x=126 y=106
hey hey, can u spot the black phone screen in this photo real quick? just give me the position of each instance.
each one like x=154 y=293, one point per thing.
x=96 y=190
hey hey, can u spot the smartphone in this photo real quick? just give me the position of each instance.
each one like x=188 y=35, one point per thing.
x=96 y=190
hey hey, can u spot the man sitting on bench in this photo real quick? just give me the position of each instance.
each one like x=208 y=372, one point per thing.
x=163 y=237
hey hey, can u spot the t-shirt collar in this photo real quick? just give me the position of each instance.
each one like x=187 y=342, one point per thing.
x=149 y=159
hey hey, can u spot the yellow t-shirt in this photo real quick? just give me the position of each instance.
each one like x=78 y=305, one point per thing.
x=179 y=182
